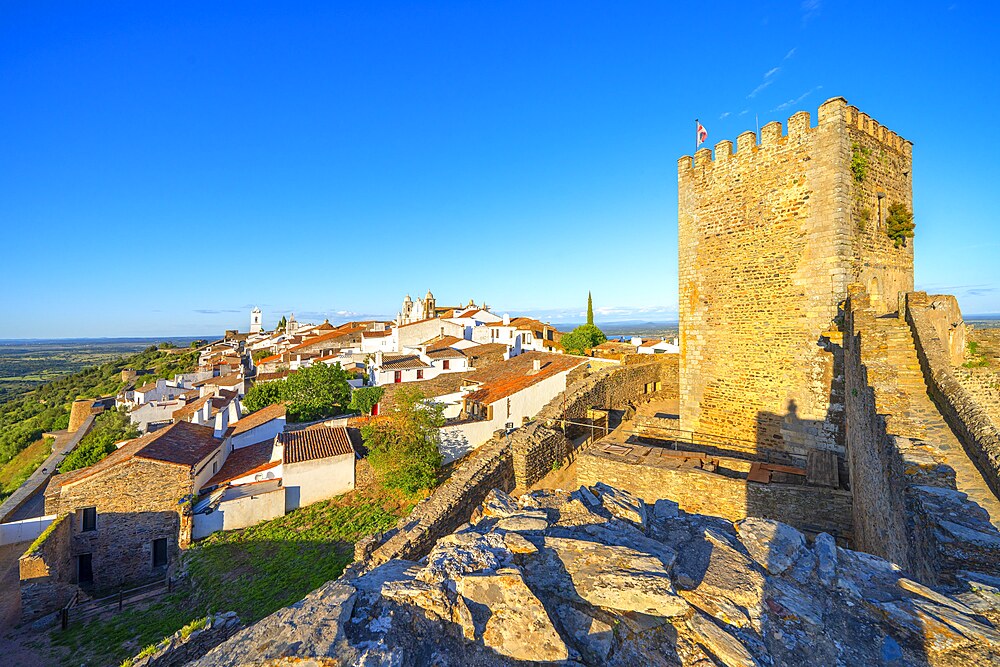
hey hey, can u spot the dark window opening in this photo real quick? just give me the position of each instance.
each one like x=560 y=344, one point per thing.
x=89 y=519
x=160 y=552
x=420 y=374
x=446 y=364
x=85 y=568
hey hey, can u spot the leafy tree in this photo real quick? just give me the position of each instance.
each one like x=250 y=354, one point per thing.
x=590 y=309
x=899 y=224
x=403 y=443
x=109 y=427
x=582 y=338
x=257 y=355
x=262 y=395
x=364 y=399
x=318 y=391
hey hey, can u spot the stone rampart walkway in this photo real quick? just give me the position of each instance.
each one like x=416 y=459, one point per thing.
x=912 y=414
x=24 y=503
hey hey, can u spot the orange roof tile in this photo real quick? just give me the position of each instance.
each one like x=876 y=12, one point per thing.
x=505 y=379
x=245 y=461
x=259 y=418
x=314 y=444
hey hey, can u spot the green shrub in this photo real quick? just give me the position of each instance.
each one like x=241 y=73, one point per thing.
x=364 y=399
x=859 y=162
x=899 y=224
x=582 y=338
x=403 y=443
x=262 y=395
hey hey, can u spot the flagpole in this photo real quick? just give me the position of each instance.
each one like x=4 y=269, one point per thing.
x=696 y=124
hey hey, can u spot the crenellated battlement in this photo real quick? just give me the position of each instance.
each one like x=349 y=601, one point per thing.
x=835 y=111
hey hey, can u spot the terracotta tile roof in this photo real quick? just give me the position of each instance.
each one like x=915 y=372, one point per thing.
x=315 y=444
x=146 y=387
x=230 y=380
x=259 y=418
x=410 y=324
x=376 y=334
x=245 y=461
x=277 y=375
x=267 y=360
x=445 y=353
x=441 y=341
x=182 y=443
x=402 y=362
x=336 y=334
x=183 y=414
x=486 y=349
x=508 y=378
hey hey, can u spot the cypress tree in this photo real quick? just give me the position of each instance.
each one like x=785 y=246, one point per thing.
x=590 y=309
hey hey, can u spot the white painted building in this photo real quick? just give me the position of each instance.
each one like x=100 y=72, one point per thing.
x=505 y=395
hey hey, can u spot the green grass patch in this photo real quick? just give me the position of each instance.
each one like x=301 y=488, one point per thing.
x=18 y=469
x=253 y=572
x=975 y=359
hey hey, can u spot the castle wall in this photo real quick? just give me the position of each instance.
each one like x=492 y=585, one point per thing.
x=906 y=507
x=768 y=245
x=884 y=270
x=725 y=493
x=957 y=395
x=46 y=571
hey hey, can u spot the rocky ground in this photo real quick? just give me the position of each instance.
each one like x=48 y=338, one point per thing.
x=596 y=577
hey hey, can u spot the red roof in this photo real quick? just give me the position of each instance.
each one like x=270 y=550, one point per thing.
x=314 y=444
x=182 y=443
x=246 y=461
x=259 y=418
x=505 y=379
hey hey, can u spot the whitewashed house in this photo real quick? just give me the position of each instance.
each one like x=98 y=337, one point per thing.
x=655 y=346
x=504 y=395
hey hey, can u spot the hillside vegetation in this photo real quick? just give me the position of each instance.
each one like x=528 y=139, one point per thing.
x=253 y=572
x=46 y=408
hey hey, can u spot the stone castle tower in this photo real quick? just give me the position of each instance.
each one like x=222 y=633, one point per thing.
x=770 y=236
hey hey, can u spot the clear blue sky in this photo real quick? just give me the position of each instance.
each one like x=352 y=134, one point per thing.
x=162 y=169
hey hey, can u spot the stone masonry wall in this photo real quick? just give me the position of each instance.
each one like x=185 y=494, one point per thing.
x=137 y=502
x=906 y=506
x=46 y=572
x=539 y=445
x=767 y=248
x=876 y=467
x=812 y=508
x=530 y=450
x=451 y=505
x=967 y=417
x=178 y=650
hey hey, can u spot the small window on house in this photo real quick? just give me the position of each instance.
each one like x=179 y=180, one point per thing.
x=420 y=373
x=160 y=552
x=88 y=519
x=446 y=364
x=397 y=376
x=215 y=467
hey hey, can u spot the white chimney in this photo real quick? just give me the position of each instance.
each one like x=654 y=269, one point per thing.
x=378 y=359
x=506 y=319
x=234 y=411
x=206 y=412
x=536 y=365
x=221 y=423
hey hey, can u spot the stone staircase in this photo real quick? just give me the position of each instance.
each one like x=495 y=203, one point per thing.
x=901 y=395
